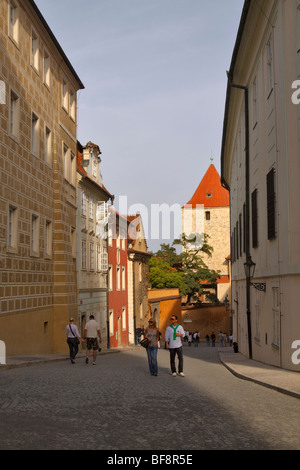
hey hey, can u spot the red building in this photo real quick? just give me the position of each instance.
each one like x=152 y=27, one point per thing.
x=118 y=281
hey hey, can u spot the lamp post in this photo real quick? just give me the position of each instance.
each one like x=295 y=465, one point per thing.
x=249 y=266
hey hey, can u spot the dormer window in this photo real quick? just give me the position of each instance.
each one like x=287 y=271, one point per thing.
x=209 y=194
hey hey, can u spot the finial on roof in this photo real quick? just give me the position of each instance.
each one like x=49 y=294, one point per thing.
x=211 y=159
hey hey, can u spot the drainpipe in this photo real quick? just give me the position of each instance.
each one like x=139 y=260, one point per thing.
x=247 y=211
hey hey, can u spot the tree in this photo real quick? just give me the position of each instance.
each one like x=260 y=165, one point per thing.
x=186 y=270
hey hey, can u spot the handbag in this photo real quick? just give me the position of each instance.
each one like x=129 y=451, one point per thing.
x=145 y=342
x=77 y=339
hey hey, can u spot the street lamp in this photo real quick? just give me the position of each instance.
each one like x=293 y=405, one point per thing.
x=249 y=266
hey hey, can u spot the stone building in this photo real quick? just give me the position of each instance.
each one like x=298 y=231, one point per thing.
x=92 y=245
x=260 y=165
x=38 y=183
x=137 y=271
x=210 y=205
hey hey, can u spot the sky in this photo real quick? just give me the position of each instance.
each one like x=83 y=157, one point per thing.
x=155 y=82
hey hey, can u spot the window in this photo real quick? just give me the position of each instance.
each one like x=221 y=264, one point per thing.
x=72 y=174
x=83 y=254
x=118 y=278
x=257 y=315
x=140 y=272
x=14 y=114
x=91 y=208
x=124 y=318
x=92 y=257
x=48 y=239
x=123 y=278
x=46 y=68
x=276 y=317
x=102 y=210
x=110 y=279
x=72 y=105
x=254 y=219
x=66 y=161
x=12 y=227
x=271 y=204
x=35 y=143
x=270 y=65
x=48 y=146
x=13 y=23
x=240 y=235
x=141 y=311
x=65 y=95
x=35 y=229
x=34 y=50
x=207 y=215
x=73 y=242
x=254 y=102
x=83 y=204
x=69 y=164
x=111 y=322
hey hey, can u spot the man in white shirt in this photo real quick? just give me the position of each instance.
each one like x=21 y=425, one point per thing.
x=91 y=331
x=173 y=336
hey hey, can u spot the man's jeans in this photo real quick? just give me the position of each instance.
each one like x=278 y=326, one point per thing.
x=152 y=359
x=179 y=353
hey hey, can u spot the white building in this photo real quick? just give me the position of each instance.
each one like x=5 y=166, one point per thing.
x=260 y=165
x=92 y=249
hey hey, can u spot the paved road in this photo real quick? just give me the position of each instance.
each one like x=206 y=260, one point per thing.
x=62 y=406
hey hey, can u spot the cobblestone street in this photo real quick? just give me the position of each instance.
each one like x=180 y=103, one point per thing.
x=62 y=406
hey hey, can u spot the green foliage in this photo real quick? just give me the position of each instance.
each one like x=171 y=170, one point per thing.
x=185 y=270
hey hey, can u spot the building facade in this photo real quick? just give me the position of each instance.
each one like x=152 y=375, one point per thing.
x=260 y=165
x=92 y=244
x=38 y=285
x=118 y=281
x=137 y=271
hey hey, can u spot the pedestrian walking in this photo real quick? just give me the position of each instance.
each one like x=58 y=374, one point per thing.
x=91 y=332
x=190 y=338
x=220 y=339
x=152 y=334
x=139 y=333
x=207 y=340
x=213 y=339
x=196 y=337
x=173 y=336
x=73 y=339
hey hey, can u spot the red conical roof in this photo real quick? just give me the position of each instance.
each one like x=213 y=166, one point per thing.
x=210 y=192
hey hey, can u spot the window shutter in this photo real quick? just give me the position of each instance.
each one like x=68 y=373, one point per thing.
x=254 y=219
x=271 y=204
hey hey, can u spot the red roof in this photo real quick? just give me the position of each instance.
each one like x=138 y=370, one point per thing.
x=210 y=192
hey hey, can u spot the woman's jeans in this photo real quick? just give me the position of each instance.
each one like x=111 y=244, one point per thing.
x=152 y=359
x=73 y=345
x=179 y=353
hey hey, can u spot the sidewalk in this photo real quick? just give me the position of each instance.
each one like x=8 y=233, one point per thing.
x=25 y=361
x=283 y=381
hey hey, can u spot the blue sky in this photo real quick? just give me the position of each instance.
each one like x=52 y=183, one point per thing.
x=154 y=73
